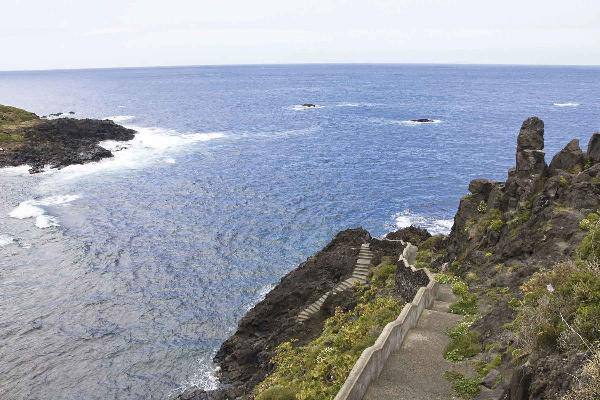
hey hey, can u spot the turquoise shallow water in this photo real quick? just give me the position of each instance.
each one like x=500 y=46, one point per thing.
x=229 y=185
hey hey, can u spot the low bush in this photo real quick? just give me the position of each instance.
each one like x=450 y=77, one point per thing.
x=465 y=387
x=560 y=307
x=467 y=301
x=317 y=370
x=384 y=275
x=587 y=387
x=464 y=343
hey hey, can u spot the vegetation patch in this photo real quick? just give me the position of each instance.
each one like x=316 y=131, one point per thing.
x=12 y=116
x=561 y=307
x=467 y=301
x=587 y=387
x=317 y=370
x=464 y=342
x=465 y=387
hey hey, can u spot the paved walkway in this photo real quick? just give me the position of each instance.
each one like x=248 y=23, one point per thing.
x=360 y=274
x=415 y=371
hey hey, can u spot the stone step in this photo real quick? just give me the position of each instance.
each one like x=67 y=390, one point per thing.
x=363 y=262
x=445 y=294
x=365 y=253
x=441 y=306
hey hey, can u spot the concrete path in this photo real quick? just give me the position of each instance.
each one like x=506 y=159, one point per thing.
x=415 y=371
x=360 y=274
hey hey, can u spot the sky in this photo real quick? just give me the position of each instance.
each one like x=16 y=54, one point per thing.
x=42 y=34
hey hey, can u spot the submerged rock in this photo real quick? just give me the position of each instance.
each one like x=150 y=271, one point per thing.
x=422 y=120
x=309 y=105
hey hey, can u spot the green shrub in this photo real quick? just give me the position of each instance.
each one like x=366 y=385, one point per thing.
x=445 y=278
x=464 y=343
x=589 y=221
x=589 y=248
x=560 y=303
x=465 y=388
x=384 y=275
x=484 y=368
x=563 y=182
x=318 y=369
x=277 y=393
x=467 y=301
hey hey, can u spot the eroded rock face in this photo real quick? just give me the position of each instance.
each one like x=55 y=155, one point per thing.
x=593 y=150
x=569 y=159
x=531 y=135
x=529 y=222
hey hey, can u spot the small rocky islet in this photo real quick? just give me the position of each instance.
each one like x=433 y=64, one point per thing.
x=26 y=139
x=506 y=238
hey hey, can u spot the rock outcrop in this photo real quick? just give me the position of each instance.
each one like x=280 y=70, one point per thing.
x=505 y=231
x=54 y=142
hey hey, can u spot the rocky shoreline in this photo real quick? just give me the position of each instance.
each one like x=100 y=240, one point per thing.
x=244 y=358
x=503 y=233
x=26 y=139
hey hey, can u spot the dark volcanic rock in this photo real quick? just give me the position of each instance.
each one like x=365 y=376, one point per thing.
x=244 y=358
x=568 y=159
x=481 y=186
x=412 y=234
x=422 y=120
x=528 y=223
x=308 y=105
x=409 y=282
x=531 y=135
x=61 y=142
x=593 y=150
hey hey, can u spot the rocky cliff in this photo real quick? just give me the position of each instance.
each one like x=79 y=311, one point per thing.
x=503 y=233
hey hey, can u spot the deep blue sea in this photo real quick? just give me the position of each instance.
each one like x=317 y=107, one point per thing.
x=119 y=280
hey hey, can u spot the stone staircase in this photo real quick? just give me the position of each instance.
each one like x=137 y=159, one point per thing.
x=359 y=275
x=415 y=371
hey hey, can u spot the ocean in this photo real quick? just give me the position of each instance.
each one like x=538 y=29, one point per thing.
x=120 y=279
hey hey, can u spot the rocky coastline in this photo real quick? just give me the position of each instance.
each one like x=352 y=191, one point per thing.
x=503 y=234
x=26 y=139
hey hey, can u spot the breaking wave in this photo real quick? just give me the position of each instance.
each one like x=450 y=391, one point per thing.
x=566 y=104
x=434 y=225
x=35 y=209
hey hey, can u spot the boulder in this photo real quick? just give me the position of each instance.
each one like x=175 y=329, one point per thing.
x=531 y=135
x=531 y=162
x=487 y=394
x=481 y=186
x=593 y=150
x=569 y=159
x=491 y=379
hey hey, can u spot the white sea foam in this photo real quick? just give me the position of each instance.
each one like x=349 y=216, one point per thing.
x=359 y=104
x=22 y=170
x=300 y=107
x=570 y=104
x=417 y=123
x=150 y=145
x=34 y=209
x=5 y=240
x=407 y=218
x=170 y=160
x=121 y=118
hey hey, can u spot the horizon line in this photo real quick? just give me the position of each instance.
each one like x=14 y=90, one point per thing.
x=300 y=64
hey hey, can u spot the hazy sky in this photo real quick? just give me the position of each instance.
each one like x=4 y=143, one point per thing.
x=42 y=34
